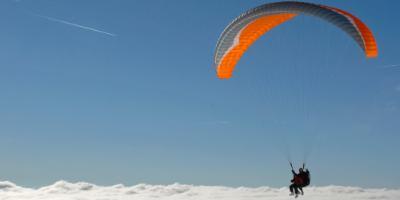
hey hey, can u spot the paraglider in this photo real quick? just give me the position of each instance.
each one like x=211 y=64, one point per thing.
x=241 y=33
x=299 y=181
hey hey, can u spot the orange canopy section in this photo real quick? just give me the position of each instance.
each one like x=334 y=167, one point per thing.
x=246 y=38
x=248 y=27
x=370 y=46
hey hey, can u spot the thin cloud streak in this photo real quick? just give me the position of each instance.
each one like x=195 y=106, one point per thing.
x=75 y=25
x=397 y=88
x=391 y=66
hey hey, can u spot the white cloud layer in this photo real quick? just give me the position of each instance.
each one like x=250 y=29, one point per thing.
x=84 y=191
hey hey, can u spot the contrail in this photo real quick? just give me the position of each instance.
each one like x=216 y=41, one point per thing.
x=75 y=25
x=391 y=66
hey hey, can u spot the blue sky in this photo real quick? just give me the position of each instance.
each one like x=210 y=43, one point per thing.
x=145 y=105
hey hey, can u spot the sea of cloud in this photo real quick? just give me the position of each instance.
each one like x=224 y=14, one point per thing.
x=63 y=190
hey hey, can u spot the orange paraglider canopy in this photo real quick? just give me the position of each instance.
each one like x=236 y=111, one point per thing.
x=248 y=27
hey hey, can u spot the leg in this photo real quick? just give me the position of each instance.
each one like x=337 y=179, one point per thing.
x=296 y=189
x=291 y=187
x=301 y=190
